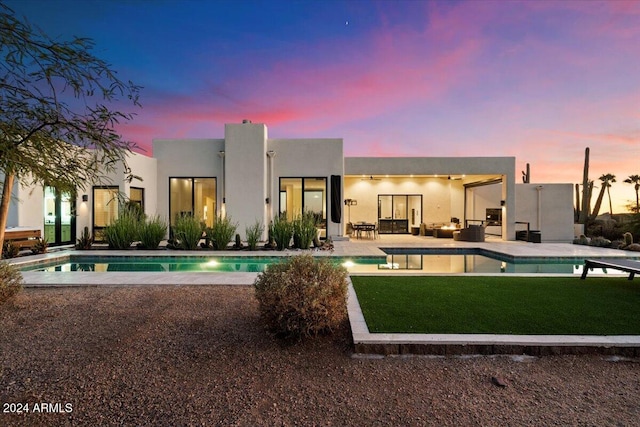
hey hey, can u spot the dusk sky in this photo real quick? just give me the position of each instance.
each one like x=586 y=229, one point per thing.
x=538 y=80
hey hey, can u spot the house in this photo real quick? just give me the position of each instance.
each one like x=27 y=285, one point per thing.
x=251 y=177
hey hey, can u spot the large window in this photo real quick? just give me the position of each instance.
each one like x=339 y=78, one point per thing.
x=193 y=197
x=298 y=195
x=105 y=209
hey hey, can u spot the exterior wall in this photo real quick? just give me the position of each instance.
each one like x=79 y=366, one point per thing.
x=308 y=158
x=548 y=208
x=186 y=158
x=494 y=166
x=246 y=174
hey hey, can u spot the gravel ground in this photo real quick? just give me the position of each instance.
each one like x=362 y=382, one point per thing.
x=199 y=356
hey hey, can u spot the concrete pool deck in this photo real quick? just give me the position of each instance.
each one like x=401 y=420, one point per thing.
x=366 y=343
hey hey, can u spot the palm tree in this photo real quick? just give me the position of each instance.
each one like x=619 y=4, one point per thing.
x=607 y=179
x=635 y=179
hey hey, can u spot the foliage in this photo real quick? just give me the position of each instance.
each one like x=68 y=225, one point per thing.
x=151 y=232
x=222 y=232
x=635 y=180
x=301 y=296
x=40 y=247
x=122 y=232
x=10 y=282
x=582 y=240
x=304 y=230
x=85 y=241
x=628 y=239
x=187 y=231
x=253 y=233
x=10 y=249
x=58 y=126
x=600 y=242
x=281 y=231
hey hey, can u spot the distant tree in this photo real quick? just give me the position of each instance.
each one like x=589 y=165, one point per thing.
x=607 y=179
x=57 y=126
x=635 y=179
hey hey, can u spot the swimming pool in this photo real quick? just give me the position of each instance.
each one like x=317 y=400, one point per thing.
x=397 y=261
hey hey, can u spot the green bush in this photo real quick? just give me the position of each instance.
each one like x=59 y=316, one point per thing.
x=151 y=232
x=40 y=247
x=85 y=241
x=10 y=249
x=582 y=240
x=600 y=242
x=188 y=232
x=301 y=296
x=10 y=282
x=122 y=232
x=222 y=232
x=253 y=234
x=304 y=230
x=282 y=232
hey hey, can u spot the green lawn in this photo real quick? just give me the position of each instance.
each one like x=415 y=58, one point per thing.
x=500 y=305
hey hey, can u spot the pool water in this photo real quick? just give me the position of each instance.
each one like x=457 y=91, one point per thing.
x=441 y=263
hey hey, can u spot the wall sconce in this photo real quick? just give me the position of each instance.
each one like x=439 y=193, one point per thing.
x=85 y=197
x=503 y=202
x=267 y=200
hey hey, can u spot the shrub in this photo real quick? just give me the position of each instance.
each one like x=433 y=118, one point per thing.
x=10 y=282
x=253 y=234
x=282 y=232
x=600 y=242
x=85 y=241
x=151 y=232
x=582 y=240
x=122 y=232
x=304 y=230
x=222 y=232
x=10 y=249
x=188 y=232
x=301 y=296
x=40 y=247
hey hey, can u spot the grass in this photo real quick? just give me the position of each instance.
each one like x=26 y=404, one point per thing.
x=500 y=305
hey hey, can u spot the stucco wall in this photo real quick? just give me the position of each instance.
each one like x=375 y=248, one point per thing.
x=308 y=158
x=186 y=158
x=548 y=208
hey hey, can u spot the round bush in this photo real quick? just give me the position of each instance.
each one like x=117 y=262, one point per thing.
x=302 y=296
x=10 y=282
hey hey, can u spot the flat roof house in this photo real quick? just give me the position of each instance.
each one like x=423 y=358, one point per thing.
x=252 y=177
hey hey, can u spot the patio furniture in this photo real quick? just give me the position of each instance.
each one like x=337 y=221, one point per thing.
x=627 y=265
x=366 y=228
x=446 y=233
x=23 y=237
x=473 y=233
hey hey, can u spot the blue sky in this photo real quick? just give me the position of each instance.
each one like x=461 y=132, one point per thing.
x=538 y=80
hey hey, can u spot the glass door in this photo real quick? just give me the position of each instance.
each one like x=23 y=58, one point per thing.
x=398 y=212
x=59 y=217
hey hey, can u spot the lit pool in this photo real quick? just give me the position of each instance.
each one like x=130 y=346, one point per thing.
x=427 y=261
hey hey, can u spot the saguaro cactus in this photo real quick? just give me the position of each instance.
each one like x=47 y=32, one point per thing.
x=586 y=190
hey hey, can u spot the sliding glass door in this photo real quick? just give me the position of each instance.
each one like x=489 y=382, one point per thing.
x=398 y=213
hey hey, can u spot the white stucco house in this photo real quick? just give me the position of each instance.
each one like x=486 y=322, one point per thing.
x=252 y=177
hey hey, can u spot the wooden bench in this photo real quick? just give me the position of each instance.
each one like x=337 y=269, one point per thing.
x=626 y=265
x=24 y=239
